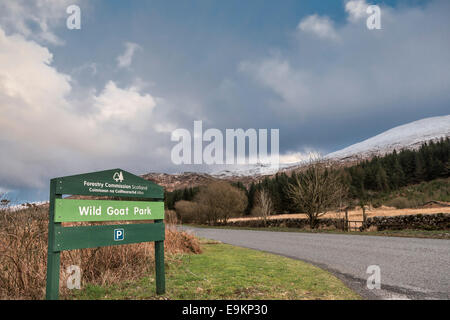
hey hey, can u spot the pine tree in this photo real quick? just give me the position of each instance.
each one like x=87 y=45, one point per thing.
x=419 y=170
x=381 y=180
x=251 y=199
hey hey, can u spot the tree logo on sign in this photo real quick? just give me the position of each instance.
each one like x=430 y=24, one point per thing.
x=118 y=176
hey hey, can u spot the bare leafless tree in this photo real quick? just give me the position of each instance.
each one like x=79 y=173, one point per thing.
x=263 y=205
x=317 y=190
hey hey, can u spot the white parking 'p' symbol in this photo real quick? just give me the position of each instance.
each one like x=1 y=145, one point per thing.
x=119 y=234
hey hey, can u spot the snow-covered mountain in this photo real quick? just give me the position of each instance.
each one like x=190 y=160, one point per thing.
x=249 y=170
x=408 y=136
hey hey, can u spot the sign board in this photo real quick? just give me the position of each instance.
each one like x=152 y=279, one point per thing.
x=71 y=210
x=110 y=183
x=116 y=184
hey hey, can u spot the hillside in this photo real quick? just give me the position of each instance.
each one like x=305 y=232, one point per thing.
x=408 y=136
x=179 y=181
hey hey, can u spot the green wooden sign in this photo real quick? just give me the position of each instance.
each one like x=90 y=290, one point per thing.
x=115 y=183
x=72 y=238
x=69 y=210
x=111 y=183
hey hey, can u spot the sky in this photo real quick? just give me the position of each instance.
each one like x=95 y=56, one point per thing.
x=110 y=94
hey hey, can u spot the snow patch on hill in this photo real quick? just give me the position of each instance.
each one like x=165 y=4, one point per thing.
x=258 y=169
x=408 y=136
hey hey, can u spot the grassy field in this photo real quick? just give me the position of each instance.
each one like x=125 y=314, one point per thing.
x=228 y=272
x=431 y=234
x=357 y=213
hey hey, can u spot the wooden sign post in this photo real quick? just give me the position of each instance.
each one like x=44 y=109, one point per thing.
x=149 y=205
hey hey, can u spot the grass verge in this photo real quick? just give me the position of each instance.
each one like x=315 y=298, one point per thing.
x=431 y=234
x=228 y=272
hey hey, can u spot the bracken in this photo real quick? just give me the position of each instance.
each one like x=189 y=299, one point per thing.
x=23 y=256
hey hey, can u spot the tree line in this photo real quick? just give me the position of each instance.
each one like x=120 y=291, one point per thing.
x=360 y=182
x=379 y=175
x=399 y=169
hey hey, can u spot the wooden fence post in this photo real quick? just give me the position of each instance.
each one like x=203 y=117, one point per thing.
x=364 y=218
x=346 y=220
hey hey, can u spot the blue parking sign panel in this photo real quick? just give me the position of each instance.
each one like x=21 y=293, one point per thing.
x=119 y=234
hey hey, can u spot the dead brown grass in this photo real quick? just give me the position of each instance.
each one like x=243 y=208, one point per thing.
x=357 y=213
x=23 y=256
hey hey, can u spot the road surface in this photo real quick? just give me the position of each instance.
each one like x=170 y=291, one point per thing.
x=410 y=268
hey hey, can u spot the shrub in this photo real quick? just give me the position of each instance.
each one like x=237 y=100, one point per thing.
x=256 y=212
x=400 y=203
x=214 y=204
x=219 y=201
x=187 y=211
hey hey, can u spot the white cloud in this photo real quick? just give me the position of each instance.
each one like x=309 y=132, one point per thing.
x=320 y=26
x=165 y=127
x=277 y=74
x=125 y=60
x=356 y=9
x=41 y=131
x=402 y=67
x=23 y=65
x=128 y=106
x=35 y=19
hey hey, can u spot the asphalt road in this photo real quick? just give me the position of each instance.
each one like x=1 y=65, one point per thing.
x=410 y=268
